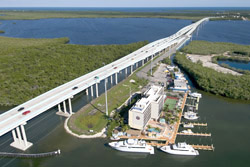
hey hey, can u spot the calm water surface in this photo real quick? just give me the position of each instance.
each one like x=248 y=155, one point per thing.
x=238 y=65
x=94 y=31
x=228 y=120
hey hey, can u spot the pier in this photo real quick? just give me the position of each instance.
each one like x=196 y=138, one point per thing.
x=196 y=124
x=194 y=134
x=203 y=147
x=23 y=155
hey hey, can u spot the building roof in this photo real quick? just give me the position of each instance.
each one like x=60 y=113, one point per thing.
x=178 y=83
x=152 y=94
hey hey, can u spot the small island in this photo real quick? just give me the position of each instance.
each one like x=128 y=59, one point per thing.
x=1 y=31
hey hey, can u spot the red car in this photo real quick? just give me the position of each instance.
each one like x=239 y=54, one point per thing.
x=115 y=67
x=26 y=112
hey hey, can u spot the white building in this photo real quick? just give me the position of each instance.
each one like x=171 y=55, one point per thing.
x=148 y=107
x=180 y=85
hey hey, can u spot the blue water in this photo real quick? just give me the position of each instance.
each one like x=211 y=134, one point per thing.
x=91 y=31
x=225 y=31
x=97 y=31
x=238 y=65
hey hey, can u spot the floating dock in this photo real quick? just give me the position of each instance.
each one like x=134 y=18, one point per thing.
x=203 y=147
x=194 y=134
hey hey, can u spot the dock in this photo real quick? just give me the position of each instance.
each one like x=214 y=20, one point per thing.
x=194 y=134
x=196 y=105
x=172 y=140
x=197 y=124
x=203 y=147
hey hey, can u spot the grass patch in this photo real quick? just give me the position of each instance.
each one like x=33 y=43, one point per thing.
x=94 y=114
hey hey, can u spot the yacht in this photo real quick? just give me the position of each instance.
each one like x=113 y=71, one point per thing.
x=132 y=145
x=188 y=131
x=188 y=125
x=190 y=115
x=195 y=94
x=180 y=149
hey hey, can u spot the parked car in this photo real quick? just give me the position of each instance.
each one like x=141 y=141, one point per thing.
x=96 y=77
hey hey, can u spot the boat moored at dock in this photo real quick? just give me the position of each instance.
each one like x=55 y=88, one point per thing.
x=190 y=115
x=195 y=94
x=132 y=145
x=188 y=125
x=180 y=149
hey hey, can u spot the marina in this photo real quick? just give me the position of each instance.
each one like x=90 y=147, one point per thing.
x=159 y=131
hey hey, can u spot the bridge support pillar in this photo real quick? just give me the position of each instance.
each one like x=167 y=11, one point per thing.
x=142 y=62
x=70 y=107
x=131 y=68
x=64 y=107
x=91 y=90
x=111 y=79
x=59 y=108
x=116 y=78
x=126 y=71
x=96 y=87
x=20 y=141
x=87 y=91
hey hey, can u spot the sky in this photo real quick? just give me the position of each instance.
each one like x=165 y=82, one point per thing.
x=124 y=3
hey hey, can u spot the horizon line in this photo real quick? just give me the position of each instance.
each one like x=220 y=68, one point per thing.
x=125 y=7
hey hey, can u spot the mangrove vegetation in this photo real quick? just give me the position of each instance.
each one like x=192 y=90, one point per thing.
x=228 y=85
x=177 y=14
x=208 y=48
x=30 y=67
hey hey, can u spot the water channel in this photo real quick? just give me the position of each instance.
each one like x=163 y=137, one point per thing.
x=228 y=120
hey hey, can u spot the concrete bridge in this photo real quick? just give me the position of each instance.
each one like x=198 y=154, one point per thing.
x=14 y=120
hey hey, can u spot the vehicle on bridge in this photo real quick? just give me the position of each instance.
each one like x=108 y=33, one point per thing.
x=20 y=109
x=74 y=88
x=26 y=112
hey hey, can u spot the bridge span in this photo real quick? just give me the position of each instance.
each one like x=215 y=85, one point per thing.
x=14 y=120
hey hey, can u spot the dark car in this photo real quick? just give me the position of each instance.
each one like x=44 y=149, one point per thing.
x=20 y=109
x=74 y=88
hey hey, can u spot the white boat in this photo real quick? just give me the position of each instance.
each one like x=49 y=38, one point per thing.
x=188 y=125
x=180 y=149
x=132 y=145
x=188 y=131
x=195 y=94
x=190 y=115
